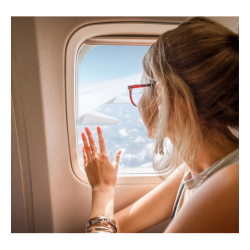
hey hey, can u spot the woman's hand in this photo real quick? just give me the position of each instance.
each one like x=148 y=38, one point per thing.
x=101 y=172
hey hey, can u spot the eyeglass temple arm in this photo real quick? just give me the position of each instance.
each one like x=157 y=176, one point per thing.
x=139 y=86
x=130 y=95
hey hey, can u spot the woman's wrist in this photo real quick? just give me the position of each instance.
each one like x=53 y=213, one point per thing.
x=103 y=201
x=103 y=189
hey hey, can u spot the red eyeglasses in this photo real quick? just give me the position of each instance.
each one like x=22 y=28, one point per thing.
x=131 y=87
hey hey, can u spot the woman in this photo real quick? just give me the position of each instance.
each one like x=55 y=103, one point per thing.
x=193 y=99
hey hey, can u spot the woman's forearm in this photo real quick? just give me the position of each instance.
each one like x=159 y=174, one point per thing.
x=103 y=202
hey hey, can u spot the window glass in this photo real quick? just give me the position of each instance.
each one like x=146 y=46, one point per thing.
x=103 y=99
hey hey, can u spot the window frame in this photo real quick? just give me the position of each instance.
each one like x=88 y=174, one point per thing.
x=142 y=33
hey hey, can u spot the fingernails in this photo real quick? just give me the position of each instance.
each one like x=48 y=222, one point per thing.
x=98 y=129
x=119 y=152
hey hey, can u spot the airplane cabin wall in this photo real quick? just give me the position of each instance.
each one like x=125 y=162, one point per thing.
x=18 y=221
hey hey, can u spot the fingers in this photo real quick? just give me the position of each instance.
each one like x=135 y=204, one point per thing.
x=117 y=159
x=101 y=140
x=84 y=156
x=91 y=141
x=86 y=145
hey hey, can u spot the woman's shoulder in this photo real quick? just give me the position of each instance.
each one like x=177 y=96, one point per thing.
x=214 y=206
x=224 y=178
x=231 y=171
x=222 y=181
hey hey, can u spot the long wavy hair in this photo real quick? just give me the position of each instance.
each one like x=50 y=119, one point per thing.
x=197 y=68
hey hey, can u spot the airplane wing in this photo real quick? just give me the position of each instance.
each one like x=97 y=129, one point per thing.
x=93 y=95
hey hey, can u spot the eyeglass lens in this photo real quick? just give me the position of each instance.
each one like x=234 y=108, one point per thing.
x=136 y=94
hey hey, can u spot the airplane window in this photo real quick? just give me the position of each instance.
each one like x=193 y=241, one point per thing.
x=103 y=99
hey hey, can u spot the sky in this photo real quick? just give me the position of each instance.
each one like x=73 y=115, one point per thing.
x=106 y=62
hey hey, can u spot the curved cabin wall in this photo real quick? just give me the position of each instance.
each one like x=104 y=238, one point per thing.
x=18 y=221
x=52 y=199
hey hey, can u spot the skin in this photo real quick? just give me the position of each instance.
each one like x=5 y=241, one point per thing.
x=214 y=207
x=148 y=110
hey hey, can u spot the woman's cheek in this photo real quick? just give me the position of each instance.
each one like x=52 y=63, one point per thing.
x=148 y=112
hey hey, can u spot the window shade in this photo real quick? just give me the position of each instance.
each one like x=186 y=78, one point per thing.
x=122 y=40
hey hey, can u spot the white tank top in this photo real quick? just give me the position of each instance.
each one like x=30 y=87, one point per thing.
x=193 y=183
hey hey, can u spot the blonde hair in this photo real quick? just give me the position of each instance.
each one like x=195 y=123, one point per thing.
x=197 y=68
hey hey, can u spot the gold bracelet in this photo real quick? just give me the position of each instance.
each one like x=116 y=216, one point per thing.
x=103 y=218
x=99 y=229
x=109 y=226
x=102 y=224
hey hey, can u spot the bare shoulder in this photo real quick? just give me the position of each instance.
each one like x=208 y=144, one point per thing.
x=214 y=207
x=231 y=172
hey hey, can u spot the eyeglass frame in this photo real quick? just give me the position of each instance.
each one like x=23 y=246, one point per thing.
x=131 y=87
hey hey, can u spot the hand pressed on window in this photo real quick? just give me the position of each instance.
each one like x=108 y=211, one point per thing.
x=101 y=172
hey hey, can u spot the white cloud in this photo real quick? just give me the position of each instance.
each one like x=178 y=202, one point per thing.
x=141 y=155
x=134 y=129
x=139 y=139
x=108 y=109
x=126 y=116
x=123 y=132
x=140 y=120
